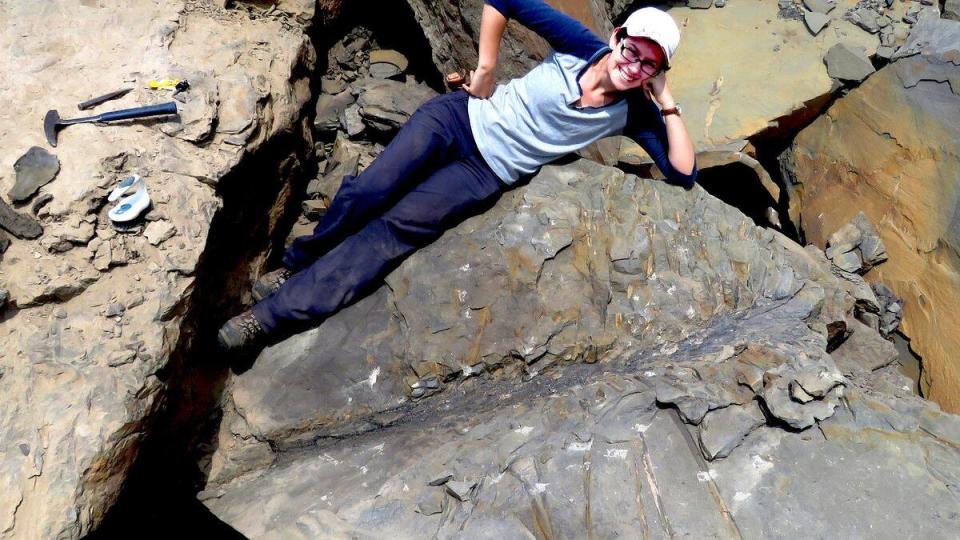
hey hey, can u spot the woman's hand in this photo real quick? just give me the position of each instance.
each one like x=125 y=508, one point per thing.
x=657 y=90
x=482 y=80
x=480 y=83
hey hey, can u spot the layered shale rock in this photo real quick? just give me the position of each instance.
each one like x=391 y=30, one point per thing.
x=891 y=148
x=93 y=314
x=594 y=338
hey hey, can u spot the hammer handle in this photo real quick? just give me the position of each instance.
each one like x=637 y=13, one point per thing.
x=139 y=112
x=92 y=102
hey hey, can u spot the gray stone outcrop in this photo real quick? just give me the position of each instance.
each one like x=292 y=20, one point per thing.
x=583 y=265
x=91 y=314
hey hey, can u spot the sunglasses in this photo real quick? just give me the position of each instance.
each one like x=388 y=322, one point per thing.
x=647 y=66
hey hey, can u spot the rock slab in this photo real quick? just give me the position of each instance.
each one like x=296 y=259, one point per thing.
x=17 y=224
x=34 y=169
x=847 y=63
x=913 y=129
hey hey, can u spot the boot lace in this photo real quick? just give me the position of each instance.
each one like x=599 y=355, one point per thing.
x=249 y=326
x=279 y=277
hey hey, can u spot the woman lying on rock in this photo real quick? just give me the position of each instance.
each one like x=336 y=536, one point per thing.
x=459 y=151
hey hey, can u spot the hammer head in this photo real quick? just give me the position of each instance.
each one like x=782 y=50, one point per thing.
x=51 y=122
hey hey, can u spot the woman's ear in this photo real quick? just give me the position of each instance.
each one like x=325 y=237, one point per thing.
x=613 y=37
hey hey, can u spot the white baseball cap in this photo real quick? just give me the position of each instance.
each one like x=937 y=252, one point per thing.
x=655 y=24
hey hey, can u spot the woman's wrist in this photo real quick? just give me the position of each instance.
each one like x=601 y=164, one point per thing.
x=666 y=101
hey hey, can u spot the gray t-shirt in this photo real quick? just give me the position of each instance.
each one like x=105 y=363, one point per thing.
x=532 y=120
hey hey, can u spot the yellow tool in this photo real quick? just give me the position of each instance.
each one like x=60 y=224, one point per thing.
x=163 y=84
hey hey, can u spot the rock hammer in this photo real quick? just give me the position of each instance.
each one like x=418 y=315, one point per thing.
x=52 y=121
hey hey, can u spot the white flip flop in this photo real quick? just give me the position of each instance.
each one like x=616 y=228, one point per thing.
x=131 y=206
x=129 y=183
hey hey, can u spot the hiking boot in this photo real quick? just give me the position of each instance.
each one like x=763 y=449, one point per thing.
x=241 y=332
x=269 y=283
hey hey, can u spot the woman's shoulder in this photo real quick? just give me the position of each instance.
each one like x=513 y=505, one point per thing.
x=566 y=61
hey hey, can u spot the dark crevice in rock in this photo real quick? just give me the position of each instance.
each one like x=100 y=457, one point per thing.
x=772 y=142
x=170 y=468
x=393 y=26
x=728 y=183
x=261 y=200
x=910 y=364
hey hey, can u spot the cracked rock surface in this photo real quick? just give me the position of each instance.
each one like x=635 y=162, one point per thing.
x=595 y=338
x=900 y=165
x=92 y=314
x=639 y=342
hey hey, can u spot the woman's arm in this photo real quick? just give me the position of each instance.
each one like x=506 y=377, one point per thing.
x=483 y=79
x=665 y=139
x=681 y=153
x=564 y=33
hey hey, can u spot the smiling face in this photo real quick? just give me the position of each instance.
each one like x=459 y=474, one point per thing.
x=633 y=61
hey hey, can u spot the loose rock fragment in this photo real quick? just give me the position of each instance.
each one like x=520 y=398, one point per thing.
x=114 y=309
x=849 y=261
x=856 y=247
x=865 y=18
x=890 y=309
x=440 y=480
x=387 y=104
x=64 y=235
x=39 y=203
x=4 y=298
x=431 y=502
x=34 y=169
x=722 y=430
x=885 y=52
x=866 y=299
x=872 y=249
x=784 y=388
x=460 y=490
x=17 y=224
x=819 y=6
x=158 y=232
x=750 y=376
x=788 y=10
x=847 y=238
x=848 y=63
x=351 y=121
x=332 y=86
x=330 y=108
x=820 y=382
x=120 y=358
x=112 y=252
x=815 y=21
x=386 y=63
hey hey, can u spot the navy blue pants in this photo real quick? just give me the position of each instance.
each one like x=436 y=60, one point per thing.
x=429 y=178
